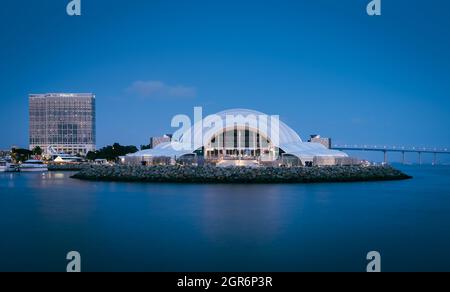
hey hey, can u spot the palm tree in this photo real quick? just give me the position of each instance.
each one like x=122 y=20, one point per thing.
x=37 y=151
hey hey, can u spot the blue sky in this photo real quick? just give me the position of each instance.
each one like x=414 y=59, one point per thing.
x=324 y=66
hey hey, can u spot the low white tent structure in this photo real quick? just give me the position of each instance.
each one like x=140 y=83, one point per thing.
x=314 y=153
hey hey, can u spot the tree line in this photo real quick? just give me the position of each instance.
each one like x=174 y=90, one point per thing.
x=111 y=152
x=21 y=155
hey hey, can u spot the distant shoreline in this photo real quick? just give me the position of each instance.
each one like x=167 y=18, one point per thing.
x=239 y=175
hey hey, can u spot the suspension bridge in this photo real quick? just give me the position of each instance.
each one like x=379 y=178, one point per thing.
x=420 y=151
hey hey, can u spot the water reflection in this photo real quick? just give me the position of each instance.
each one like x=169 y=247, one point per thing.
x=57 y=198
x=255 y=211
x=152 y=227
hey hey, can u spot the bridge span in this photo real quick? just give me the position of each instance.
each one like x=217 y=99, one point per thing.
x=394 y=149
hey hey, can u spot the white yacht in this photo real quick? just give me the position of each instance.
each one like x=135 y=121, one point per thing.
x=6 y=166
x=3 y=165
x=33 y=166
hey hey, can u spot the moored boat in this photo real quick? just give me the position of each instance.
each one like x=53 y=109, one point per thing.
x=3 y=165
x=33 y=166
x=6 y=166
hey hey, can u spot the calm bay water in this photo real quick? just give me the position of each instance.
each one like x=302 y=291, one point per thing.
x=163 y=227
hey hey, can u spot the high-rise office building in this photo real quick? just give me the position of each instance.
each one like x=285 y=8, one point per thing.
x=62 y=122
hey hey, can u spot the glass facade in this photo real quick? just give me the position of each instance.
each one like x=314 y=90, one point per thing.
x=238 y=142
x=62 y=122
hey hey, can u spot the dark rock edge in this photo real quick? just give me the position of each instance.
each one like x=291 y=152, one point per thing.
x=238 y=175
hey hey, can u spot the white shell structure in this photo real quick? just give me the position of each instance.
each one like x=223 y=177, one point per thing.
x=281 y=137
x=286 y=134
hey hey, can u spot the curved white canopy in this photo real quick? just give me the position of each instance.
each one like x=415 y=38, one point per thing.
x=288 y=140
x=168 y=149
x=283 y=133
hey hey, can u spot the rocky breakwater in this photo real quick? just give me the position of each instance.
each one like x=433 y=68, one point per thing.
x=209 y=174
